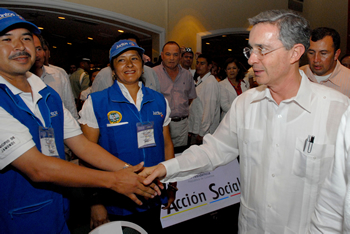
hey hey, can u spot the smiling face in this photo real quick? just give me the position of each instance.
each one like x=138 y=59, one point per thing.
x=17 y=52
x=322 y=57
x=128 y=67
x=272 y=68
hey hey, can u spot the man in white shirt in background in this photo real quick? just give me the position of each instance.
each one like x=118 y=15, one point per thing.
x=205 y=109
x=53 y=77
x=284 y=132
x=324 y=66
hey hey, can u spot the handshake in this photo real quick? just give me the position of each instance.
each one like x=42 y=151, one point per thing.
x=139 y=180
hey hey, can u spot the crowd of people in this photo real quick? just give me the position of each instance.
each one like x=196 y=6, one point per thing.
x=288 y=124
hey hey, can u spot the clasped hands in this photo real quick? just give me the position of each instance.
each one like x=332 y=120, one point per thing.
x=139 y=180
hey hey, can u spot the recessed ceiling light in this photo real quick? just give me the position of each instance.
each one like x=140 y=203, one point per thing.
x=41 y=28
x=229 y=49
x=90 y=38
x=207 y=43
x=121 y=31
x=69 y=43
x=54 y=47
x=62 y=18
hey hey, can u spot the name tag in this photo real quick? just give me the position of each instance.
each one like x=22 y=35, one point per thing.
x=47 y=142
x=145 y=134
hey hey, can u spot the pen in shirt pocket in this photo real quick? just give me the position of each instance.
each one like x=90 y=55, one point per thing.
x=309 y=142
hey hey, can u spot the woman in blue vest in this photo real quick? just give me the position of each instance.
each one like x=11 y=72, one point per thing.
x=131 y=122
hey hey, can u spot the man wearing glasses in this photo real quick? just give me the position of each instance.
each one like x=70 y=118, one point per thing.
x=283 y=130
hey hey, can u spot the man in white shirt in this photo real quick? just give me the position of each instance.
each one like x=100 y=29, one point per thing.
x=204 y=114
x=33 y=125
x=53 y=77
x=324 y=66
x=283 y=130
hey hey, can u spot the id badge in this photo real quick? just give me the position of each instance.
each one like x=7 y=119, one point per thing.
x=47 y=142
x=145 y=134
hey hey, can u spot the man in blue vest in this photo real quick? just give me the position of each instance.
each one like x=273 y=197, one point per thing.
x=34 y=125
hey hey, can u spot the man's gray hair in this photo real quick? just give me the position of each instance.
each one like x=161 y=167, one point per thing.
x=294 y=29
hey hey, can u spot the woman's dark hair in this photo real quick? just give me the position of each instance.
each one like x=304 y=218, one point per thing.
x=241 y=72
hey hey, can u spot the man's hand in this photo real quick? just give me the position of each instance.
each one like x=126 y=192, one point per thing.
x=151 y=173
x=199 y=140
x=131 y=184
x=99 y=216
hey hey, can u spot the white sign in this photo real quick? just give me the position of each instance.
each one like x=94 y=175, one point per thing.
x=204 y=193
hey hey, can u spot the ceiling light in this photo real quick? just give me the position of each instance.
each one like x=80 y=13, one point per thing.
x=55 y=47
x=41 y=28
x=62 y=18
x=229 y=49
x=69 y=43
x=224 y=35
x=121 y=31
x=207 y=43
x=90 y=38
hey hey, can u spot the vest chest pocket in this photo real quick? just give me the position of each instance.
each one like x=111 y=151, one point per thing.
x=313 y=166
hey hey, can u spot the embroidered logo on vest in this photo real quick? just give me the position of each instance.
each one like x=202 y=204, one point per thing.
x=114 y=117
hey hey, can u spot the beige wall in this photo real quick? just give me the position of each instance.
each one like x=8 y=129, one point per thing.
x=325 y=13
x=183 y=19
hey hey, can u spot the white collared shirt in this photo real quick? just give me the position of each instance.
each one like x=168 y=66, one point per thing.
x=11 y=127
x=56 y=79
x=279 y=181
x=204 y=114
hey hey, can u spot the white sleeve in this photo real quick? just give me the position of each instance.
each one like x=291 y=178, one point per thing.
x=217 y=150
x=87 y=114
x=71 y=126
x=168 y=111
x=15 y=139
x=329 y=211
x=224 y=97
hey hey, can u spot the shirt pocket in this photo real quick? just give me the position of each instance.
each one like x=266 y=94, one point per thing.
x=248 y=222
x=313 y=166
x=250 y=145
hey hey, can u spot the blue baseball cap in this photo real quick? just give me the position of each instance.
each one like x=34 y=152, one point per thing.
x=123 y=45
x=9 y=18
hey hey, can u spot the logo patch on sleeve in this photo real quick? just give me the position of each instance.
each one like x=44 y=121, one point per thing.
x=8 y=145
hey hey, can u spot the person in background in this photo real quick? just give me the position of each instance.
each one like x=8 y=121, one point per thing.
x=324 y=66
x=345 y=61
x=85 y=93
x=176 y=84
x=204 y=114
x=233 y=85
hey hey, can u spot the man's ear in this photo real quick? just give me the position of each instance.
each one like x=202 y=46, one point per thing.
x=296 y=52
x=336 y=54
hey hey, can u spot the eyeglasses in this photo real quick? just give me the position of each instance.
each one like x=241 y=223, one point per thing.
x=188 y=49
x=260 y=53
